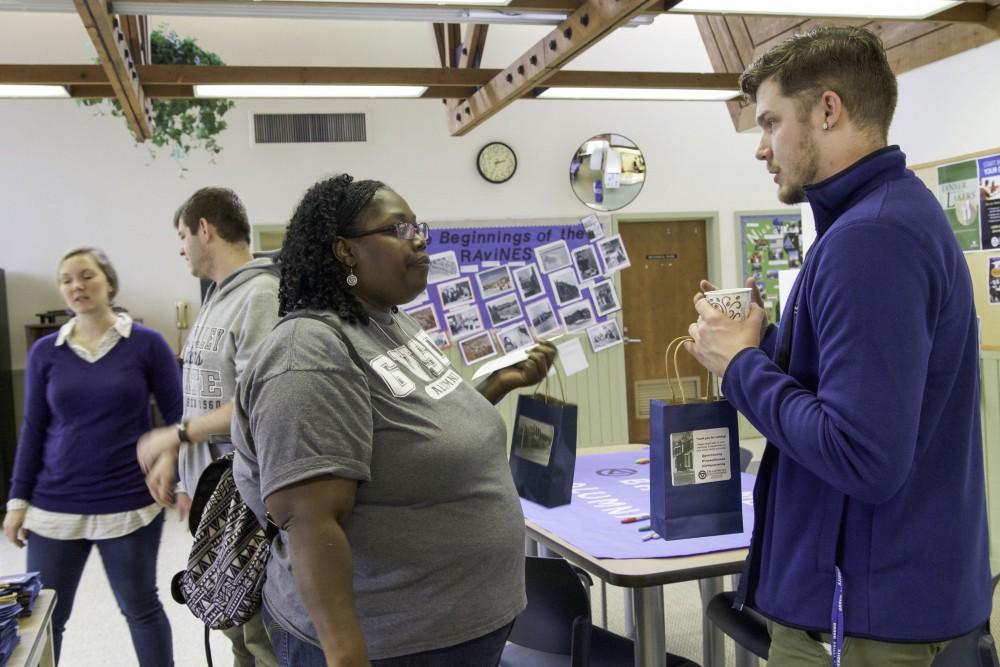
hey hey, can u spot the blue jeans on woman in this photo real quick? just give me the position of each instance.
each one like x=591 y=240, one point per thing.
x=483 y=651
x=130 y=562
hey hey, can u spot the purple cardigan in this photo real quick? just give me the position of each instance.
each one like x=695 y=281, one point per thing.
x=82 y=421
x=874 y=459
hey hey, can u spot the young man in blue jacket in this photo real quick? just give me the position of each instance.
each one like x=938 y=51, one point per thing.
x=870 y=542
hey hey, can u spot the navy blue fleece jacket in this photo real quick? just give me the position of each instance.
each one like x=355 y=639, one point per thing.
x=874 y=459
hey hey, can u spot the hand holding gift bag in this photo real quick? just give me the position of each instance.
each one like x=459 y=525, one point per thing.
x=543 y=447
x=694 y=461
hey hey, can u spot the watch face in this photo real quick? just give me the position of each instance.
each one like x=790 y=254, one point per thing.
x=497 y=162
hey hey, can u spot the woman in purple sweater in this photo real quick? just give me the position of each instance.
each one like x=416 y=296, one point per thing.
x=76 y=479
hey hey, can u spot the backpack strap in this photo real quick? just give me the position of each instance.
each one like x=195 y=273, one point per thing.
x=304 y=314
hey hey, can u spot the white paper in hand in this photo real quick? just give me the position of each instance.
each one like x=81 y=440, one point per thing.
x=509 y=359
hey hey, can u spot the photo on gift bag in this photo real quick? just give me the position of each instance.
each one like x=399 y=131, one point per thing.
x=456 y=292
x=477 y=348
x=465 y=322
x=577 y=315
x=533 y=439
x=440 y=338
x=604 y=335
x=515 y=337
x=553 y=256
x=565 y=286
x=682 y=458
x=586 y=263
x=605 y=297
x=503 y=310
x=425 y=317
x=528 y=282
x=542 y=317
x=495 y=281
x=613 y=253
x=444 y=266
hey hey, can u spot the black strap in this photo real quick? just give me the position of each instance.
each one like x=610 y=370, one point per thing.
x=303 y=314
x=208 y=647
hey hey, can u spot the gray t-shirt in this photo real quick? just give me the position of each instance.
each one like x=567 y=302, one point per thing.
x=436 y=534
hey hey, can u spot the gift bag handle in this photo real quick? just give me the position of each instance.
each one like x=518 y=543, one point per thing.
x=676 y=344
x=545 y=380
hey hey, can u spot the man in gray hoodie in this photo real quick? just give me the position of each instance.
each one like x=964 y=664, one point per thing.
x=239 y=309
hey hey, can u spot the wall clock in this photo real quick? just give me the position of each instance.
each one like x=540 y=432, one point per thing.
x=496 y=162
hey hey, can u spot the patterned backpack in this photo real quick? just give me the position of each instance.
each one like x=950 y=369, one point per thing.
x=222 y=582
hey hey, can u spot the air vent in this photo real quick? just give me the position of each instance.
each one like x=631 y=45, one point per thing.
x=298 y=128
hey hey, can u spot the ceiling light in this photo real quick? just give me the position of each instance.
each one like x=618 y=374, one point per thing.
x=32 y=91
x=637 y=94
x=898 y=9
x=260 y=91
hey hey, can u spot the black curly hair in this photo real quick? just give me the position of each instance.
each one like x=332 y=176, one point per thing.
x=311 y=277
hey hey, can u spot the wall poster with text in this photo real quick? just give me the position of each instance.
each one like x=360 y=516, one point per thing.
x=969 y=193
x=771 y=242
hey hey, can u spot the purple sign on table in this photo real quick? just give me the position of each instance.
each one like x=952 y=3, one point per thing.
x=610 y=487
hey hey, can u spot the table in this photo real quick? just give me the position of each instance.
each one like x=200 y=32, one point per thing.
x=645 y=578
x=35 y=647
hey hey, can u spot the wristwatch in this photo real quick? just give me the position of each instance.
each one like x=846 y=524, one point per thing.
x=182 y=433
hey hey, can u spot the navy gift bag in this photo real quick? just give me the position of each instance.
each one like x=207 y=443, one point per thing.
x=695 y=464
x=543 y=448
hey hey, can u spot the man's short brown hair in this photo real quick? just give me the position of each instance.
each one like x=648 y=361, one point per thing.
x=849 y=61
x=222 y=208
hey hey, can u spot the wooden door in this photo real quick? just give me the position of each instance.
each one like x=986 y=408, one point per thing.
x=668 y=259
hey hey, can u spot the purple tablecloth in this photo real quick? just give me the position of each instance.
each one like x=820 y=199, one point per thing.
x=608 y=487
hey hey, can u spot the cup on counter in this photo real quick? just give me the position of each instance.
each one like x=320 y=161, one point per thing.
x=733 y=303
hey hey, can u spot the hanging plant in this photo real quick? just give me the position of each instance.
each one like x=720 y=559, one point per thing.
x=183 y=124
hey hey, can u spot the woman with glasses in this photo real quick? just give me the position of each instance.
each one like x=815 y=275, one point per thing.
x=401 y=535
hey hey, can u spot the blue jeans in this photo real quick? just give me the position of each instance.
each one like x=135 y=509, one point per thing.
x=484 y=651
x=130 y=562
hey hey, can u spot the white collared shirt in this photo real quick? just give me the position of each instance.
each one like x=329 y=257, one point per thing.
x=64 y=526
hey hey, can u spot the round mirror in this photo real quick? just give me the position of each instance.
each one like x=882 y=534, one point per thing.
x=607 y=172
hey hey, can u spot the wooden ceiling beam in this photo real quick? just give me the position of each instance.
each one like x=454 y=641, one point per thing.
x=591 y=22
x=119 y=67
x=154 y=77
x=157 y=90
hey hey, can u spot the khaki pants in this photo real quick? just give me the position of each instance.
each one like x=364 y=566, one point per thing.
x=791 y=647
x=251 y=646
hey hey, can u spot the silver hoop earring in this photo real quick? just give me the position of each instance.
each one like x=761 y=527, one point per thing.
x=352 y=279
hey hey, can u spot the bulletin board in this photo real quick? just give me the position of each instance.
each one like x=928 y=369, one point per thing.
x=770 y=241
x=951 y=180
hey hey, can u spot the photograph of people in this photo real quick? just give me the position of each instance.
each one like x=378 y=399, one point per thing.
x=604 y=335
x=874 y=455
x=77 y=484
x=529 y=283
x=464 y=322
x=605 y=297
x=613 y=253
x=514 y=337
x=456 y=292
x=402 y=537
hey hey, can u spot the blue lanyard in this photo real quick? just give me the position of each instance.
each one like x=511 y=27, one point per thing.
x=837 y=620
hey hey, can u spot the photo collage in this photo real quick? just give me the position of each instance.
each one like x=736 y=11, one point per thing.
x=492 y=308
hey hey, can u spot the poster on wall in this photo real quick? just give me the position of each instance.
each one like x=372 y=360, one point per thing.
x=969 y=193
x=516 y=284
x=994 y=279
x=771 y=242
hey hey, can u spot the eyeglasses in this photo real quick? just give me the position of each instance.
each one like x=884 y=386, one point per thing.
x=403 y=230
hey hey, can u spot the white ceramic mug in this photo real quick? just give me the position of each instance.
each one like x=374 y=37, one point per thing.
x=733 y=303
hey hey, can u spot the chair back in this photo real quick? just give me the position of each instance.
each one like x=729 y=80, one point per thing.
x=557 y=618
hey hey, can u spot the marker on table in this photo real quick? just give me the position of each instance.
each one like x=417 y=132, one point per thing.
x=651 y=536
x=643 y=529
x=637 y=517
x=641 y=461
